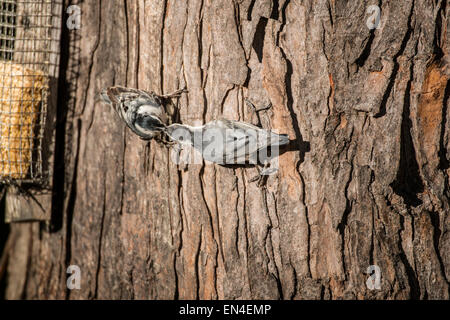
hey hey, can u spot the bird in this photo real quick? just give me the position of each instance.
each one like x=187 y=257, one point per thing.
x=229 y=142
x=146 y=113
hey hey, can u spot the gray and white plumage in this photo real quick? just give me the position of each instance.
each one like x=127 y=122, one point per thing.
x=143 y=112
x=228 y=141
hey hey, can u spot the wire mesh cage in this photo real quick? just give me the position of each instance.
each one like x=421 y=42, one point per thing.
x=28 y=57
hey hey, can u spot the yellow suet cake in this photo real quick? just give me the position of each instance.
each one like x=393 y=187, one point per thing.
x=21 y=94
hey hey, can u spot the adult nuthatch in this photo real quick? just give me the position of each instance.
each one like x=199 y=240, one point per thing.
x=229 y=141
x=145 y=113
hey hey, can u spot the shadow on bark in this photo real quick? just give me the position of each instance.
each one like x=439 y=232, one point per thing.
x=408 y=183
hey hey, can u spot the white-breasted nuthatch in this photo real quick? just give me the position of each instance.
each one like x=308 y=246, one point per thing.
x=229 y=142
x=145 y=113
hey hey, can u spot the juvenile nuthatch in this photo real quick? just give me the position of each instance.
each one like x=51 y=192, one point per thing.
x=145 y=113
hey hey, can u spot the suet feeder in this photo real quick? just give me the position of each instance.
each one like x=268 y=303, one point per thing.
x=28 y=63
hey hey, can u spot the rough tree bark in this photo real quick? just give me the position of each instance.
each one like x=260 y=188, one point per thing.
x=367 y=185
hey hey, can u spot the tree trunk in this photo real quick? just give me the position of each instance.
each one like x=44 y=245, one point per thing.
x=368 y=183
